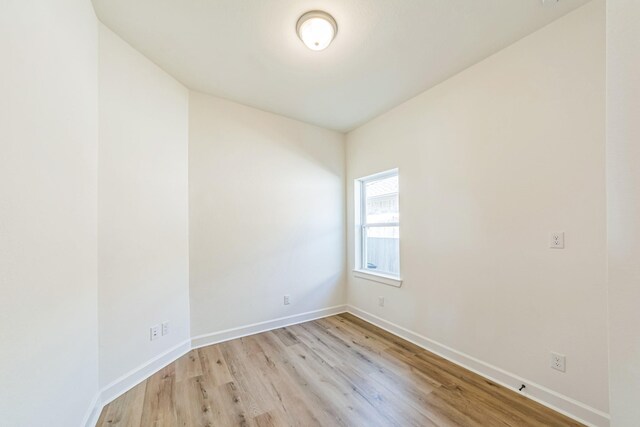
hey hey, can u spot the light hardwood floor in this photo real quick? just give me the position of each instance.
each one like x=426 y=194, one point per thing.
x=337 y=371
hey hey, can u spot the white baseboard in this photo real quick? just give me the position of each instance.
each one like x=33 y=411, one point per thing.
x=549 y=398
x=256 y=328
x=93 y=413
x=142 y=372
x=556 y=401
x=132 y=378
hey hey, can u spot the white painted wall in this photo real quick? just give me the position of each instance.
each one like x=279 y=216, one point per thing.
x=481 y=157
x=48 y=191
x=143 y=265
x=490 y=162
x=623 y=190
x=266 y=215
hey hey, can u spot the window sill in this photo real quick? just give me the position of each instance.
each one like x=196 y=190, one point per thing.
x=380 y=278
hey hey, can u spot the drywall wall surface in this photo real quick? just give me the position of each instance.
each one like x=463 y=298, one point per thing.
x=623 y=192
x=143 y=265
x=266 y=216
x=48 y=191
x=490 y=163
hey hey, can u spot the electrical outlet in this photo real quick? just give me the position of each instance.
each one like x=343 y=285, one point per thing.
x=558 y=362
x=154 y=332
x=165 y=328
x=287 y=300
x=556 y=240
x=381 y=301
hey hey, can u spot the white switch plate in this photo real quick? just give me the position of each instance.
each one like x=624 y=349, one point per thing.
x=556 y=240
x=558 y=362
x=165 y=328
x=154 y=332
x=287 y=300
x=381 y=301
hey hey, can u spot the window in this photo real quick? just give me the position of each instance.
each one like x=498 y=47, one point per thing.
x=378 y=221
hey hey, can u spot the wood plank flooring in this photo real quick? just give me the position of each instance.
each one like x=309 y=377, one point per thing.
x=336 y=371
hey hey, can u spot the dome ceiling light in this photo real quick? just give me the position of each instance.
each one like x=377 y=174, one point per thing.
x=316 y=29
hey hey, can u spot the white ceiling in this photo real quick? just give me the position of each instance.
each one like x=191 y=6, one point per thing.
x=386 y=51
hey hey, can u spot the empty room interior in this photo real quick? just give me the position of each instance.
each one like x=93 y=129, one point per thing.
x=319 y=213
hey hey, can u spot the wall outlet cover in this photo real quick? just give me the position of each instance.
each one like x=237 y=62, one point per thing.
x=556 y=240
x=558 y=362
x=154 y=332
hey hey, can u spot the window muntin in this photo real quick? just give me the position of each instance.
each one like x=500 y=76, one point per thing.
x=380 y=224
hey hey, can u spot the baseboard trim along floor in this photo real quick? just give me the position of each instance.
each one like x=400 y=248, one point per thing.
x=549 y=398
x=558 y=402
x=255 y=328
x=127 y=381
x=132 y=378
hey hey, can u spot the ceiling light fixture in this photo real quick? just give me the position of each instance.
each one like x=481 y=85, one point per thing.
x=316 y=29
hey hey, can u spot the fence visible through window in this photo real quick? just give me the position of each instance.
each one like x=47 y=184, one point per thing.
x=380 y=223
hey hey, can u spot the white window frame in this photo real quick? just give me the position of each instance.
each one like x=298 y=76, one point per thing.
x=360 y=270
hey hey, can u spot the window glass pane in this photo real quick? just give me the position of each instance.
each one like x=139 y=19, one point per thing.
x=382 y=249
x=382 y=201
